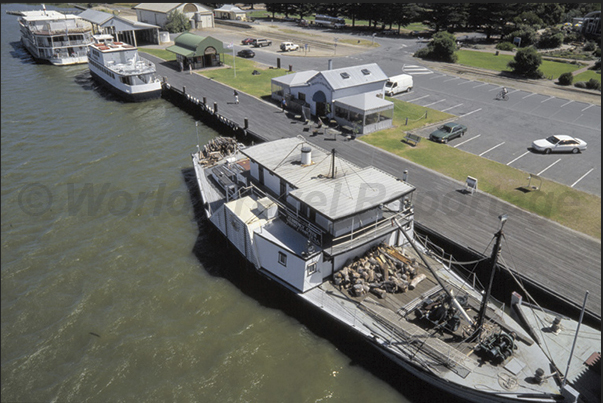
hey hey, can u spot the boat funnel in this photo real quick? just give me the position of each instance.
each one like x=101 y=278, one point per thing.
x=306 y=155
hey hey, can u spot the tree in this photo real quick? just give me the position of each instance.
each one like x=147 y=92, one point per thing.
x=441 y=47
x=526 y=63
x=177 y=22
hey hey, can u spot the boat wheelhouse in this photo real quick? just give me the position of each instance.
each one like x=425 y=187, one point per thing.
x=298 y=212
x=53 y=37
x=118 y=66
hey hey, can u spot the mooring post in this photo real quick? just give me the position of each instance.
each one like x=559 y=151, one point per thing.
x=215 y=107
x=246 y=124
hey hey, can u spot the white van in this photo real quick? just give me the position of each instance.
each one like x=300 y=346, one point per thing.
x=398 y=84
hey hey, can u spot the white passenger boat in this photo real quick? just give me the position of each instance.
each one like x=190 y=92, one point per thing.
x=118 y=67
x=50 y=36
x=341 y=238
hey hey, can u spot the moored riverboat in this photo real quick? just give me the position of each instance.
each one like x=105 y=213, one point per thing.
x=119 y=67
x=341 y=238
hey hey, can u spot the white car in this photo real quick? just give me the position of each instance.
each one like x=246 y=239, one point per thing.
x=559 y=143
x=289 y=46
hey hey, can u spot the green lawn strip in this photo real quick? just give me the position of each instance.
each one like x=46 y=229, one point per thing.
x=489 y=61
x=574 y=209
x=160 y=53
x=587 y=75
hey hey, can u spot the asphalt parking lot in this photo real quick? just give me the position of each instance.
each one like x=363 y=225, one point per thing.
x=503 y=131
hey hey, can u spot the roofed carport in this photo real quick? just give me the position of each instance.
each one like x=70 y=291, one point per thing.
x=366 y=112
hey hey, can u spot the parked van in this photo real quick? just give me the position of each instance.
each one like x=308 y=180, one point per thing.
x=398 y=84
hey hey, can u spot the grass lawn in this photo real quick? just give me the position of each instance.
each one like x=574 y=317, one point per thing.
x=574 y=209
x=489 y=61
x=587 y=75
x=160 y=53
x=256 y=85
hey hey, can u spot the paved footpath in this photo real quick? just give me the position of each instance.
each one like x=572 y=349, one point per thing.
x=564 y=261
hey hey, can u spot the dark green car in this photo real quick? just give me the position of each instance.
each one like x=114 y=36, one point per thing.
x=447 y=132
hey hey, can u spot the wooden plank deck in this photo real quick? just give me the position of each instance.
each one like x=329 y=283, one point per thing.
x=559 y=259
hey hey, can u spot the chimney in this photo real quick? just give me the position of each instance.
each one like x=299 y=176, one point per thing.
x=330 y=64
x=306 y=155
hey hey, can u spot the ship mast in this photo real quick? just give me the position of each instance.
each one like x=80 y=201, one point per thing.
x=493 y=259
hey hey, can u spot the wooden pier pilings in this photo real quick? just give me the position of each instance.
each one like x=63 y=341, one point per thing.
x=201 y=110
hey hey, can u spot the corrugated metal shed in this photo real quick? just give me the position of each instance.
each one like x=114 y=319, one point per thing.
x=352 y=76
x=353 y=190
x=296 y=79
x=157 y=7
x=95 y=16
x=364 y=103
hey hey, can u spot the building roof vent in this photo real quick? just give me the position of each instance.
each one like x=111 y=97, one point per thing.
x=345 y=75
x=366 y=72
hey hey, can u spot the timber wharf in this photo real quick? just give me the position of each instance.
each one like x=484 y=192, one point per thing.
x=549 y=259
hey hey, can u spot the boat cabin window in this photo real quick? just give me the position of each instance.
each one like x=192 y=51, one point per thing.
x=312 y=268
x=282 y=259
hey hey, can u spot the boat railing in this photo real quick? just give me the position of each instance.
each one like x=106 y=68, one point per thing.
x=289 y=216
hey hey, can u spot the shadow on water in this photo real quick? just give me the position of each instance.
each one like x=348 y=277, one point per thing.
x=19 y=52
x=85 y=80
x=222 y=260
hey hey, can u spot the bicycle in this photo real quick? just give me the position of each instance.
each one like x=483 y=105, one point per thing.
x=502 y=96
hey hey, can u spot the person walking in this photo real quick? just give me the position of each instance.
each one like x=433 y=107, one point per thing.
x=236 y=97
x=283 y=104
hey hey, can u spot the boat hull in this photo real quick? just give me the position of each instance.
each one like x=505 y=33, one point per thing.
x=139 y=95
x=56 y=61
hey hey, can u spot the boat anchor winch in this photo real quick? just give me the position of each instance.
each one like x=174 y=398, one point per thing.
x=497 y=347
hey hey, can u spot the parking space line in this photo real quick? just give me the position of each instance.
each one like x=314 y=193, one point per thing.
x=494 y=89
x=433 y=103
x=442 y=75
x=539 y=173
x=481 y=85
x=469 y=113
x=466 y=141
x=452 y=79
x=589 y=106
x=582 y=177
x=492 y=148
x=444 y=110
x=466 y=82
x=529 y=95
x=416 y=99
x=512 y=161
x=568 y=102
x=548 y=99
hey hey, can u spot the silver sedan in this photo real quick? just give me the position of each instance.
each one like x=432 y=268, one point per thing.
x=559 y=143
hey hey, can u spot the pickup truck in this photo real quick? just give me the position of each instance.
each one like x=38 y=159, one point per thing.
x=288 y=46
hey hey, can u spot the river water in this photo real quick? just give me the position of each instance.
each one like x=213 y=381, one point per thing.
x=113 y=290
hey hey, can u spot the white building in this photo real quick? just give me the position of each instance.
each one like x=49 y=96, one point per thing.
x=353 y=96
x=230 y=12
x=157 y=13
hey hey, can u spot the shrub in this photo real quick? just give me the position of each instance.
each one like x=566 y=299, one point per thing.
x=441 y=47
x=177 y=22
x=526 y=63
x=527 y=34
x=550 y=41
x=590 y=46
x=593 y=84
x=566 y=78
x=505 y=46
